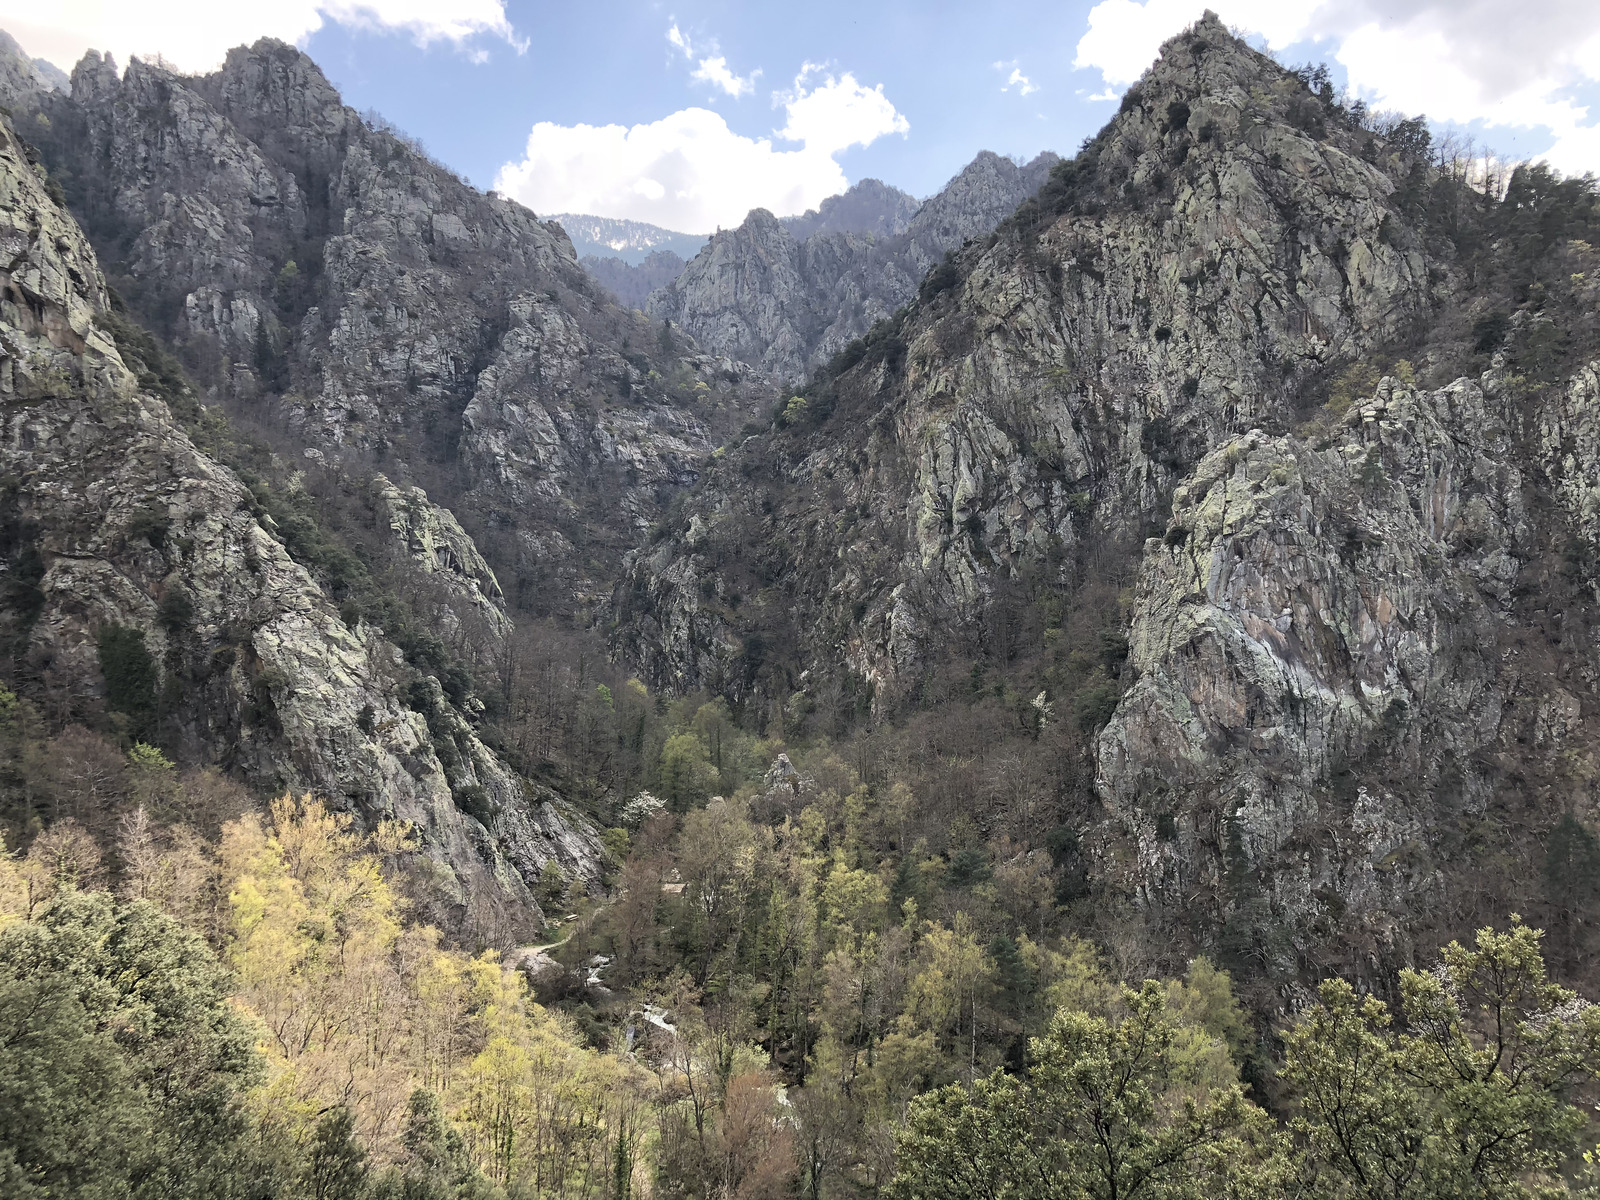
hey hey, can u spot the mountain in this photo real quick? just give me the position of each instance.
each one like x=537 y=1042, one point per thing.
x=1246 y=465
x=394 y=393
x=145 y=578
x=630 y=241
x=22 y=77
x=869 y=206
x=622 y=256
x=632 y=284
x=323 y=277
x=786 y=300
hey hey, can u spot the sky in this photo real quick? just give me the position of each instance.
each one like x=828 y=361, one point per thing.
x=688 y=114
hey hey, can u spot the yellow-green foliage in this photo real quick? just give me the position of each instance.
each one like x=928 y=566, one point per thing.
x=1356 y=382
x=359 y=1009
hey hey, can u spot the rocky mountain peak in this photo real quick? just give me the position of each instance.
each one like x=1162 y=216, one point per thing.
x=95 y=77
x=273 y=91
x=787 y=300
x=1227 y=237
x=870 y=206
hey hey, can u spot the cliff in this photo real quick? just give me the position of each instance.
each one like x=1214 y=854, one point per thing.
x=147 y=587
x=786 y=296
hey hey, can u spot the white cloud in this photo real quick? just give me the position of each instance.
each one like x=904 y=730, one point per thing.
x=1124 y=37
x=1506 y=63
x=838 y=113
x=691 y=172
x=715 y=72
x=1024 y=85
x=713 y=68
x=194 y=35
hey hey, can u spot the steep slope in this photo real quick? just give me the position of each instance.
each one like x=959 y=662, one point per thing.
x=1320 y=413
x=21 y=78
x=1326 y=634
x=630 y=242
x=867 y=206
x=324 y=277
x=144 y=584
x=630 y=283
x=786 y=299
x=1174 y=285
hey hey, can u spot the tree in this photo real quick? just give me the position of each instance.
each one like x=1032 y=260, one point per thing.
x=64 y=858
x=946 y=994
x=687 y=773
x=336 y=1168
x=717 y=856
x=71 y=1120
x=123 y=1062
x=1470 y=1099
x=1102 y=1114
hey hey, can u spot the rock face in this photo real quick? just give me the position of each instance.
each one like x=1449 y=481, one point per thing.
x=145 y=582
x=22 y=78
x=1168 y=290
x=1311 y=610
x=1344 y=648
x=869 y=206
x=788 y=295
x=430 y=541
x=632 y=284
x=324 y=277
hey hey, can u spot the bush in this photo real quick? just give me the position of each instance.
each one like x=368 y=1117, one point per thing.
x=176 y=609
x=151 y=525
x=130 y=676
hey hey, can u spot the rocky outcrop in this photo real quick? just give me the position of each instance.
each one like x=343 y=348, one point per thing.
x=632 y=284
x=1172 y=287
x=322 y=276
x=1568 y=435
x=789 y=295
x=147 y=585
x=1324 y=642
x=468 y=609
x=869 y=206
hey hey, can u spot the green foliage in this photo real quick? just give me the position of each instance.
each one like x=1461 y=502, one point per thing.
x=130 y=675
x=149 y=525
x=1571 y=864
x=552 y=885
x=176 y=608
x=687 y=773
x=940 y=279
x=336 y=1167
x=437 y=1164
x=793 y=411
x=122 y=1061
x=1471 y=1098
x=1104 y=1112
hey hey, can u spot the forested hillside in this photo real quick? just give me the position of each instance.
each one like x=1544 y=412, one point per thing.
x=250 y=1008
x=1117 y=729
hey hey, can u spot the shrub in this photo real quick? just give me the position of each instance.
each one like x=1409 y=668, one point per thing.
x=130 y=675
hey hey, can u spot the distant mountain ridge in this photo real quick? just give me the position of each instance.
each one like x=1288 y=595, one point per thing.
x=870 y=206
x=630 y=241
x=632 y=283
x=769 y=295
x=21 y=75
